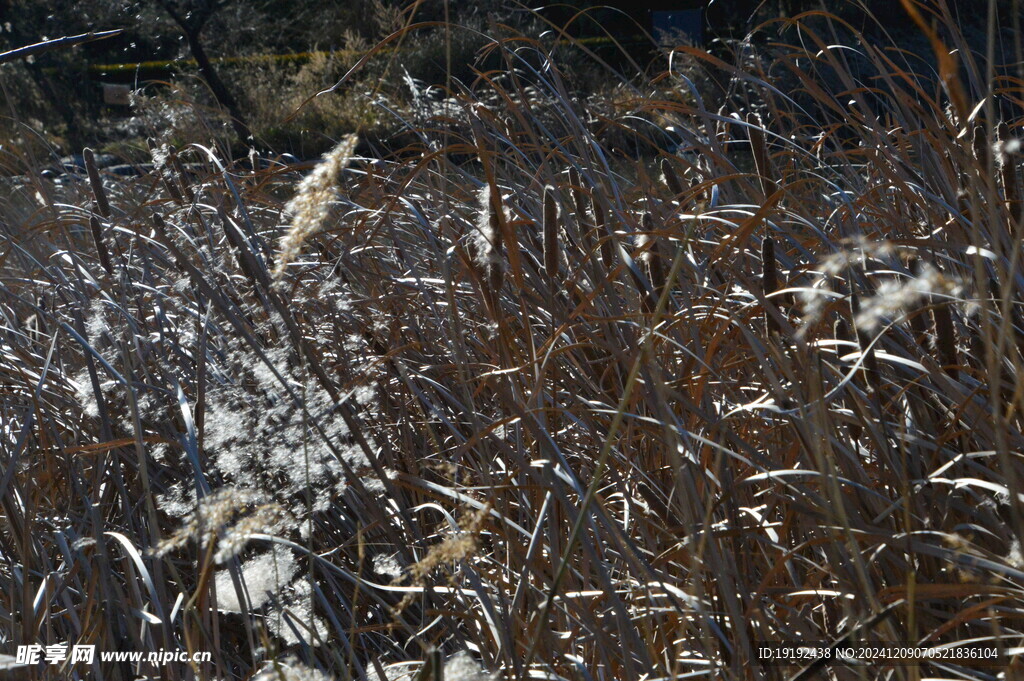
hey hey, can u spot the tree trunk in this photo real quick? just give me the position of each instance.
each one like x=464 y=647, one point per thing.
x=217 y=87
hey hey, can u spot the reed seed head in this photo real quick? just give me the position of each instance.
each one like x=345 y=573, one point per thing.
x=312 y=203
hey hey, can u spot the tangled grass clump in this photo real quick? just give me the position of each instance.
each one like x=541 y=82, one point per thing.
x=581 y=428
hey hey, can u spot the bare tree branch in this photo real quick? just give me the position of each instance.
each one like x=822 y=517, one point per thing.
x=55 y=44
x=173 y=13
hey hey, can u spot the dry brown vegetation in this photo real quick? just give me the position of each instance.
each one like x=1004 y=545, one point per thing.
x=519 y=394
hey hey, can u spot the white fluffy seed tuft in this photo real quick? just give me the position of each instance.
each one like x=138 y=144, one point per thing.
x=311 y=205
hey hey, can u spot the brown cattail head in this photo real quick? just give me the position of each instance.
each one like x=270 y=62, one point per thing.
x=964 y=206
x=179 y=172
x=871 y=368
x=645 y=237
x=578 y=197
x=496 y=279
x=652 y=256
x=945 y=338
x=161 y=167
x=759 y=148
x=494 y=208
x=605 y=232
x=102 y=205
x=580 y=200
x=980 y=145
x=486 y=247
x=1008 y=175
x=671 y=178
x=917 y=316
x=769 y=280
x=495 y=264
x=35 y=324
x=171 y=188
x=101 y=247
x=841 y=329
x=550 y=231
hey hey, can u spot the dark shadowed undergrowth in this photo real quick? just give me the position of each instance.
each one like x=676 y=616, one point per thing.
x=576 y=390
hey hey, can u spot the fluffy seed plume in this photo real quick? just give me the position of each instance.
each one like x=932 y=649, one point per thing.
x=487 y=248
x=462 y=667
x=486 y=238
x=263 y=576
x=893 y=298
x=234 y=515
x=312 y=202
x=290 y=669
x=652 y=255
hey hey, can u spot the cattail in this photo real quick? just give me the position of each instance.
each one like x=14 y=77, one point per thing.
x=607 y=238
x=160 y=225
x=487 y=247
x=672 y=181
x=485 y=240
x=35 y=323
x=695 y=187
x=578 y=197
x=102 y=205
x=841 y=330
x=161 y=167
x=980 y=145
x=945 y=338
x=639 y=241
x=171 y=188
x=1008 y=174
x=182 y=177
x=964 y=206
x=871 y=368
x=160 y=228
x=580 y=204
x=652 y=257
x=550 y=230
x=769 y=280
x=101 y=247
x=762 y=161
x=917 y=321
x=496 y=279
x=792 y=282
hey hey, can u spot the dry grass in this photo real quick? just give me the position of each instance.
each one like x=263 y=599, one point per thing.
x=582 y=428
